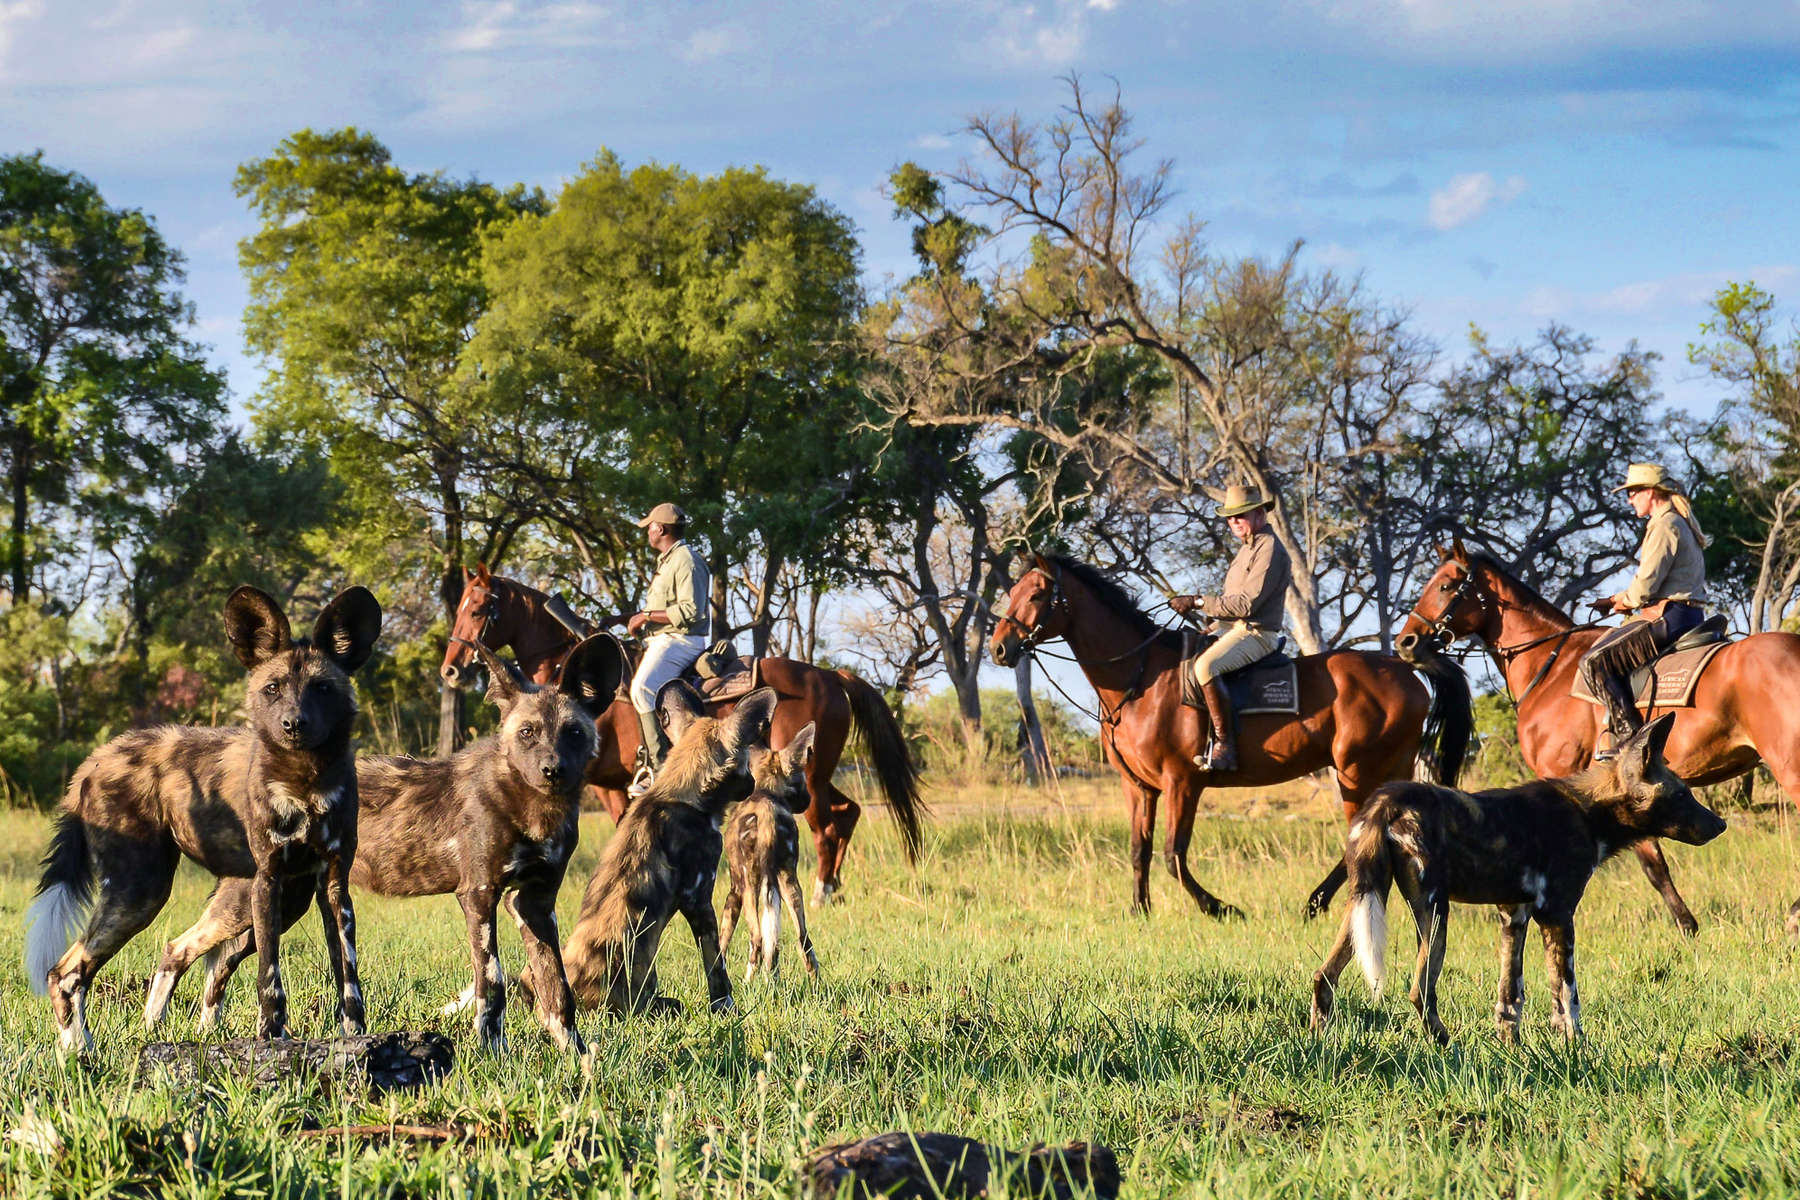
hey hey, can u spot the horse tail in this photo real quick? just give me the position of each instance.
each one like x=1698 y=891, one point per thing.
x=64 y=894
x=888 y=752
x=1371 y=874
x=1449 y=721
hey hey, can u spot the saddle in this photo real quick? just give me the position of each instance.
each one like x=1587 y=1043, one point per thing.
x=1271 y=684
x=723 y=674
x=1669 y=679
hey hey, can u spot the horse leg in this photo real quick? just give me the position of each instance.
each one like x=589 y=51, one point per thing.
x=1182 y=803
x=1143 y=828
x=1656 y=869
x=831 y=838
x=1353 y=794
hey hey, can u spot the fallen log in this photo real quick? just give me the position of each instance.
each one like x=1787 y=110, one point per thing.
x=407 y=1059
x=927 y=1166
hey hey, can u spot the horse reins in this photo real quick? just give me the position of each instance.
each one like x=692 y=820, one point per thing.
x=1440 y=628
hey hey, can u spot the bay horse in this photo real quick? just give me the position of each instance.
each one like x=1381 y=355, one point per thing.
x=1746 y=705
x=503 y=613
x=1368 y=715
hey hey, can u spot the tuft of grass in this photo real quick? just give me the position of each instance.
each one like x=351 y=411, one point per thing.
x=1002 y=991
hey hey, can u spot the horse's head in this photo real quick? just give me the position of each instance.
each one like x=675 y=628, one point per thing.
x=1037 y=610
x=477 y=620
x=1455 y=603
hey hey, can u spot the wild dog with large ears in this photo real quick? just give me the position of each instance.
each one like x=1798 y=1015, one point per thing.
x=495 y=823
x=762 y=854
x=272 y=801
x=663 y=859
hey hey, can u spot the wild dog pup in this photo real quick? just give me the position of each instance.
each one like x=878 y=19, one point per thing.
x=1530 y=850
x=663 y=859
x=496 y=820
x=272 y=802
x=762 y=854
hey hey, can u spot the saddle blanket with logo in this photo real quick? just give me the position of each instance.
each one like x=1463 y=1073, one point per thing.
x=1269 y=685
x=1665 y=682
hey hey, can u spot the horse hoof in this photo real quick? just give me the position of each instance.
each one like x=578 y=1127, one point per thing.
x=1688 y=926
x=1226 y=912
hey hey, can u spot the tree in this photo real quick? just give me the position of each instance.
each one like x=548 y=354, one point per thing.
x=101 y=390
x=660 y=335
x=1754 y=501
x=366 y=285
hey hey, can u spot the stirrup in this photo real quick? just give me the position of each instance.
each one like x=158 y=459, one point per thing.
x=640 y=783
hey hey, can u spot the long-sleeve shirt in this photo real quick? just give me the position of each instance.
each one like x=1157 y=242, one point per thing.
x=1255 y=585
x=1670 y=564
x=681 y=589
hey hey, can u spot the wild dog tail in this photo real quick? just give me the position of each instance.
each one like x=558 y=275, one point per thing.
x=1371 y=874
x=64 y=894
x=890 y=756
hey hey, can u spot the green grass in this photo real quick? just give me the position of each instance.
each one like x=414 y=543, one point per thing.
x=1003 y=992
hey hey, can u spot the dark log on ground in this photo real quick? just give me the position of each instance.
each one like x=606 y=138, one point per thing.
x=925 y=1166
x=406 y=1059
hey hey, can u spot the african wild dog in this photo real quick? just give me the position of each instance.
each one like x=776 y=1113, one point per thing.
x=272 y=801
x=1530 y=850
x=663 y=859
x=762 y=854
x=497 y=819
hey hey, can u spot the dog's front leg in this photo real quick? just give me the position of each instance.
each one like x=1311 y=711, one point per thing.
x=479 y=905
x=1509 y=1009
x=554 y=1002
x=699 y=914
x=340 y=942
x=265 y=918
x=1559 y=965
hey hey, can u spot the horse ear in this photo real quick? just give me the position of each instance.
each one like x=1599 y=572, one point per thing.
x=1461 y=551
x=481 y=573
x=467 y=574
x=1042 y=563
x=1445 y=554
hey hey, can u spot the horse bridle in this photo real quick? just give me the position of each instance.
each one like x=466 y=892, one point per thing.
x=1034 y=636
x=1440 y=625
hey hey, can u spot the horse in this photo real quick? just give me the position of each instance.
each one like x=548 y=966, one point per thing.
x=1368 y=715
x=503 y=613
x=1746 y=705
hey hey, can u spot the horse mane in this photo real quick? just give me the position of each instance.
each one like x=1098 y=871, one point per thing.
x=1530 y=595
x=1114 y=597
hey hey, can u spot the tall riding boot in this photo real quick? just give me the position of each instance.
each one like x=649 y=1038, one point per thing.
x=1622 y=719
x=650 y=757
x=1223 y=756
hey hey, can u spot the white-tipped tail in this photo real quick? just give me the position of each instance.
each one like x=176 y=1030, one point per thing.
x=771 y=922
x=1368 y=933
x=50 y=925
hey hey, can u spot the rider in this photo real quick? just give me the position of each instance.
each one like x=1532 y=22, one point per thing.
x=675 y=610
x=1664 y=597
x=1248 y=612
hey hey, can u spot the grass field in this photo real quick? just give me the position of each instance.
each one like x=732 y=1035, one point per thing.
x=1003 y=992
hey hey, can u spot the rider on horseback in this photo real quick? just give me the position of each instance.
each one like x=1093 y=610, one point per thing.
x=1664 y=597
x=1247 y=612
x=676 y=608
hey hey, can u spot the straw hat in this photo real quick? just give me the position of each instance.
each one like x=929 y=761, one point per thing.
x=1242 y=498
x=664 y=514
x=1649 y=475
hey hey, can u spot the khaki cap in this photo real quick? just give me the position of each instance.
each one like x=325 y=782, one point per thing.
x=664 y=514
x=1648 y=475
x=1240 y=499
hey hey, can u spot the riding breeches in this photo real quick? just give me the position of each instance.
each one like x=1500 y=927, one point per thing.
x=1621 y=651
x=1238 y=645
x=666 y=656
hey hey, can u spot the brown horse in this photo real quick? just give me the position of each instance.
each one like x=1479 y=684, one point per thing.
x=506 y=614
x=1746 y=705
x=1365 y=714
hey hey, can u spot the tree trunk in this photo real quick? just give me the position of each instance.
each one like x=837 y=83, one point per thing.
x=1034 y=752
x=21 y=498
x=450 y=699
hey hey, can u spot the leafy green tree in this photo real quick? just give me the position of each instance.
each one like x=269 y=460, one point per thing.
x=101 y=391
x=365 y=286
x=660 y=335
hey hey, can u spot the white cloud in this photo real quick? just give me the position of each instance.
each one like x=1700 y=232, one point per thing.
x=932 y=141
x=1103 y=5
x=708 y=44
x=496 y=25
x=1650 y=297
x=1466 y=197
x=1029 y=36
x=13 y=16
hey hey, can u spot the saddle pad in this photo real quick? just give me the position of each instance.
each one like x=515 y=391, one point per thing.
x=1671 y=678
x=729 y=687
x=1269 y=685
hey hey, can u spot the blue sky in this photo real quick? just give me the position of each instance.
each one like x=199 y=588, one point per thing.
x=1603 y=164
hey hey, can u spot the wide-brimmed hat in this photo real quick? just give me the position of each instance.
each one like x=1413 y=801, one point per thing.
x=664 y=514
x=1242 y=498
x=1648 y=475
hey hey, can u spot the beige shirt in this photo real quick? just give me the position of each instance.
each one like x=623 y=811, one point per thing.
x=1255 y=586
x=1670 y=564
x=680 y=589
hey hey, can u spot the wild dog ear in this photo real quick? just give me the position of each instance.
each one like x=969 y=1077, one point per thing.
x=255 y=626
x=798 y=752
x=748 y=721
x=505 y=685
x=346 y=631
x=1642 y=752
x=591 y=673
x=678 y=706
